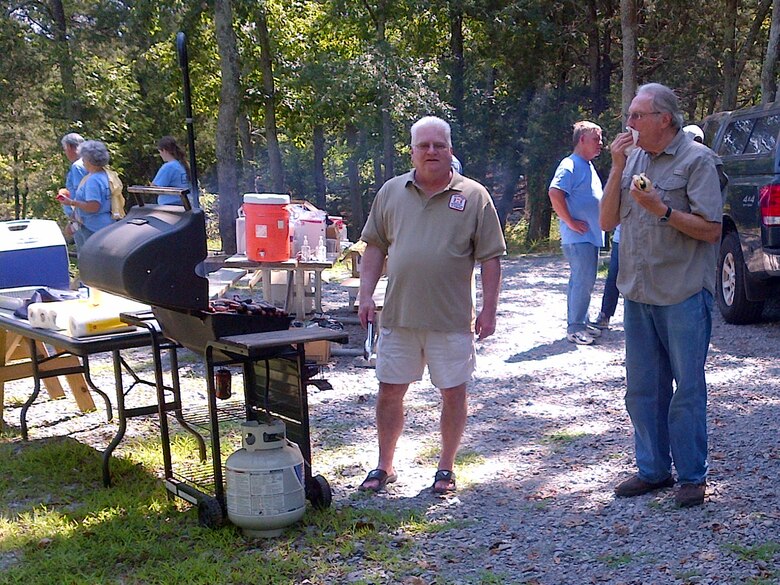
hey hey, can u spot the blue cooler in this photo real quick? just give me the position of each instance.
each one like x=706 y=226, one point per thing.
x=33 y=253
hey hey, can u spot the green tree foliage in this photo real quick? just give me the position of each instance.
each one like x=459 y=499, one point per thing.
x=349 y=78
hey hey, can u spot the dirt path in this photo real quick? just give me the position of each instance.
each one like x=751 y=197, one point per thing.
x=547 y=438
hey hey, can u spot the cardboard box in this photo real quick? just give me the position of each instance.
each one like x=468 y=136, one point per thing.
x=317 y=352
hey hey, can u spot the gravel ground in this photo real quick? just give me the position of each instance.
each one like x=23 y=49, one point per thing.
x=547 y=439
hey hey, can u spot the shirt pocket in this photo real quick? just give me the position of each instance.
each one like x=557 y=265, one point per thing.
x=673 y=190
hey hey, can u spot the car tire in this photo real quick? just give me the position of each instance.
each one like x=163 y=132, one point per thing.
x=732 y=301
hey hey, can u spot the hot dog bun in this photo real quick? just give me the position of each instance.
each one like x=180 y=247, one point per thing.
x=642 y=182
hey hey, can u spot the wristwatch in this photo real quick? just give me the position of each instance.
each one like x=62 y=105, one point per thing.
x=665 y=217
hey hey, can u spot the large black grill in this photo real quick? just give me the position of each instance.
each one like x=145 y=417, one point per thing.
x=156 y=255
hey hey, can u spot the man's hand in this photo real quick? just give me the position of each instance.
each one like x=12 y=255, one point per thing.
x=617 y=149
x=579 y=226
x=649 y=199
x=366 y=310
x=370 y=270
x=485 y=325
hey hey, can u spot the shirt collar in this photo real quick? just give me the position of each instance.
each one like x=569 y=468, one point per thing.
x=678 y=140
x=455 y=184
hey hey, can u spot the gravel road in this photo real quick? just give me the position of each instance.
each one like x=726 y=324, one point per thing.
x=547 y=439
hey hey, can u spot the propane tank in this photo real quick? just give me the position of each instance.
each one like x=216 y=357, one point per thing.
x=265 y=480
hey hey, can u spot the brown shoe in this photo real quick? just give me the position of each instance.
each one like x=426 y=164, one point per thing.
x=690 y=494
x=634 y=486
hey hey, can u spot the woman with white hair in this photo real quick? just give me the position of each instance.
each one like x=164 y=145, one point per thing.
x=92 y=201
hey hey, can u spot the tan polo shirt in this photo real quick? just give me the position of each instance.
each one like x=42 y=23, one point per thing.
x=432 y=245
x=660 y=265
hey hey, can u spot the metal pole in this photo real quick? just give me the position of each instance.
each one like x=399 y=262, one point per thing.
x=181 y=50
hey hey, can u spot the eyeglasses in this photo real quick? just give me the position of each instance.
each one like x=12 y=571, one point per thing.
x=636 y=116
x=428 y=145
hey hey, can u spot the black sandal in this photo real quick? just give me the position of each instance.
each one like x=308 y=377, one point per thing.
x=444 y=475
x=381 y=477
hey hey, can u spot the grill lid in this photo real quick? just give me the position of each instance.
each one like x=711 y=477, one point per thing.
x=153 y=255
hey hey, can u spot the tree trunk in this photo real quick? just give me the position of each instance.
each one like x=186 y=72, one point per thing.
x=320 y=186
x=266 y=67
x=768 y=82
x=227 y=134
x=388 y=140
x=628 y=17
x=606 y=67
x=594 y=57
x=504 y=204
x=539 y=216
x=353 y=174
x=247 y=153
x=742 y=56
x=457 y=65
x=729 y=97
x=735 y=58
x=378 y=177
x=70 y=103
x=17 y=191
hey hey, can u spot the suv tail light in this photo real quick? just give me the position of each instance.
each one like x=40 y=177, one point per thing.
x=769 y=203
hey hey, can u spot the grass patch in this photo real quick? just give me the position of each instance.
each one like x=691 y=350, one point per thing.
x=435 y=527
x=491 y=578
x=60 y=525
x=559 y=440
x=616 y=561
x=687 y=575
x=760 y=552
x=429 y=453
x=516 y=235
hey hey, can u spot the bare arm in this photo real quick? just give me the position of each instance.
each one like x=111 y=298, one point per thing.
x=558 y=200
x=692 y=225
x=86 y=206
x=491 y=283
x=609 y=211
x=370 y=271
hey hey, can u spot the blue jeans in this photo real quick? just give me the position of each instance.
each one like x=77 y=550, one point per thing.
x=666 y=344
x=611 y=293
x=583 y=263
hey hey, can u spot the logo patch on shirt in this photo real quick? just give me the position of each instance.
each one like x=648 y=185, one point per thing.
x=458 y=202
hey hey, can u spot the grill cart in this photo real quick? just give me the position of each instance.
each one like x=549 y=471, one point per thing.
x=155 y=255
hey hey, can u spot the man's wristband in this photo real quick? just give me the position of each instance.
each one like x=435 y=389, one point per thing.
x=665 y=217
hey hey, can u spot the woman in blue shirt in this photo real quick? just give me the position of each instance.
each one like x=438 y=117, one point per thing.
x=173 y=173
x=92 y=201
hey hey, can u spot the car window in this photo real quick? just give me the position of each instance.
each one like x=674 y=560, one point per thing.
x=764 y=136
x=736 y=137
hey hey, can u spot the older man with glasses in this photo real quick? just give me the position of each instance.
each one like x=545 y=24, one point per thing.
x=666 y=196
x=432 y=225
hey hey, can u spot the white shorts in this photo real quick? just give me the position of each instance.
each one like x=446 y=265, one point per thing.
x=403 y=353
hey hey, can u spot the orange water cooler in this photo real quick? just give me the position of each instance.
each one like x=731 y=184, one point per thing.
x=267 y=227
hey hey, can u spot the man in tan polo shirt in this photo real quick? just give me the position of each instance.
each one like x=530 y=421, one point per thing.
x=433 y=225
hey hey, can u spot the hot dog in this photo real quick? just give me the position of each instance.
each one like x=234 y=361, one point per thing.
x=642 y=182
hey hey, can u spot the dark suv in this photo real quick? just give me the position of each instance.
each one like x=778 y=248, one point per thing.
x=749 y=259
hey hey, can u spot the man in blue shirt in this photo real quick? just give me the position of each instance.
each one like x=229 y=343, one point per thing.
x=70 y=146
x=575 y=192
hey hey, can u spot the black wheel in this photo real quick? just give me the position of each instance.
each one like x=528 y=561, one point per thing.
x=732 y=300
x=318 y=492
x=210 y=513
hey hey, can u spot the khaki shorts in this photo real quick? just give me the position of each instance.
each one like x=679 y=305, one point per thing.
x=403 y=353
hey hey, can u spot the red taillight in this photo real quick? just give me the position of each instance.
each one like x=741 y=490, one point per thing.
x=769 y=203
